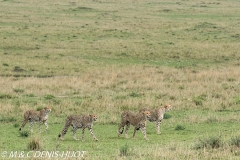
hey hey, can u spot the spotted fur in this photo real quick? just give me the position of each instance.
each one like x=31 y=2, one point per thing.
x=77 y=122
x=137 y=120
x=157 y=115
x=36 y=116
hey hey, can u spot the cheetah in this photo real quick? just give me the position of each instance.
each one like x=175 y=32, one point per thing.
x=36 y=116
x=137 y=120
x=85 y=121
x=157 y=115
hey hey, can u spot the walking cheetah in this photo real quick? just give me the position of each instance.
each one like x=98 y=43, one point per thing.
x=85 y=121
x=157 y=115
x=137 y=120
x=36 y=116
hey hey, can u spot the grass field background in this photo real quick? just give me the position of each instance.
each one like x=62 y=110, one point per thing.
x=105 y=57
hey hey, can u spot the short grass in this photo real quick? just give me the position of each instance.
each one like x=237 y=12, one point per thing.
x=107 y=56
x=110 y=146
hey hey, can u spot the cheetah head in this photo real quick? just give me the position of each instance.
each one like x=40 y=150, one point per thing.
x=93 y=117
x=147 y=114
x=168 y=107
x=47 y=109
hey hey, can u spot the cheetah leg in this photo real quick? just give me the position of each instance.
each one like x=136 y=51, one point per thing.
x=23 y=124
x=126 y=130
x=74 y=133
x=143 y=130
x=64 y=131
x=45 y=123
x=134 y=132
x=158 y=123
x=31 y=125
x=121 y=125
x=91 y=131
x=40 y=125
x=83 y=130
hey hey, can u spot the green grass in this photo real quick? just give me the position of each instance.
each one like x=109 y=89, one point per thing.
x=111 y=146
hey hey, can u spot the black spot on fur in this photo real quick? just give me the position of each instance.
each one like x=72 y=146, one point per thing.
x=121 y=132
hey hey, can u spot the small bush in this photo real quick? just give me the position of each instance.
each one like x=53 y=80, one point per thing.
x=134 y=94
x=211 y=142
x=167 y=116
x=235 y=141
x=8 y=119
x=5 y=64
x=237 y=100
x=179 y=127
x=30 y=95
x=24 y=133
x=181 y=87
x=231 y=79
x=199 y=100
x=49 y=96
x=212 y=119
x=124 y=150
x=34 y=144
x=16 y=125
x=18 y=69
x=17 y=90
x=172 y=97
x=5 y=96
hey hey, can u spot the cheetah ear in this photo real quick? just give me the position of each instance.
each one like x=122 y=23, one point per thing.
x=47 y=108
x=91 y=116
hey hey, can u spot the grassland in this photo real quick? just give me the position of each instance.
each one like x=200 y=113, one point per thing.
x=108 y=56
